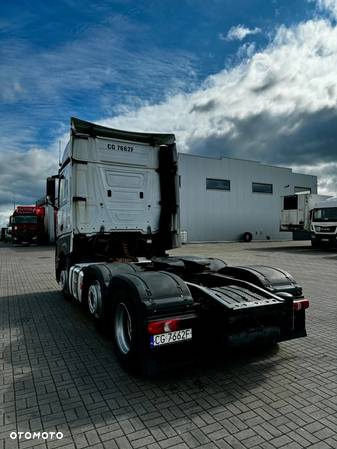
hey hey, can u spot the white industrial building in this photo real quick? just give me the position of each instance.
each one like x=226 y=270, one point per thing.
x=221 y=199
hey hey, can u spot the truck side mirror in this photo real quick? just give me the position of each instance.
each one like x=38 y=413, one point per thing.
x=50 y=190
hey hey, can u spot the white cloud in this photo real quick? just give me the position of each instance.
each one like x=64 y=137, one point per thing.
x=239 y=32
x=279 y=106
x=5 y=213
x=329 y=5
x=328 y=176
x=23 y=177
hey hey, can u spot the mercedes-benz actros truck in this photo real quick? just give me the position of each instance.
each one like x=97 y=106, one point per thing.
x=118 y=215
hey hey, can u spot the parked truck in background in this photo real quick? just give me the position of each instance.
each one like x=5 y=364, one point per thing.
x=295 y=212
x=27 y=224
x=118 y=214
x=323 y=225
x=34 y=223
x=313 y=214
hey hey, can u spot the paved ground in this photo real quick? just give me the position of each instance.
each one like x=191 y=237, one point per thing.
x=59 y=375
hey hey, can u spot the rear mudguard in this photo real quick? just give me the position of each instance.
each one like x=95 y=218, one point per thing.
x=81 y=274
x=272 y=279
x=160 y=292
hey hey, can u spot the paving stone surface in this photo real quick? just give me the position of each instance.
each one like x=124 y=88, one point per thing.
x=58 y=374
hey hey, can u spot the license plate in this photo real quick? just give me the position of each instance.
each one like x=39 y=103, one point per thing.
x=325 y=240
x=171 y=337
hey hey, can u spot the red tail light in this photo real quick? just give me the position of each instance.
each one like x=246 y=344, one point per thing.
x=162 y=326
x=300 y=304
x=39 y=211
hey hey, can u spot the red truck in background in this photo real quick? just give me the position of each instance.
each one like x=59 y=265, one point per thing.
x=27 y=224
x=33 y=223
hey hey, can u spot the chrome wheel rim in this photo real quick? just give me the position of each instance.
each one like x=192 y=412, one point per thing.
x=94 y=297
x=123 y=328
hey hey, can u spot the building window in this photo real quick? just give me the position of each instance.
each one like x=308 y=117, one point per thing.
x=259 y=187
x=298 y=189
x=218 y=184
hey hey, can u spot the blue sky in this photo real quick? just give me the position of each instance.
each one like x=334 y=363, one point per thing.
x=126 y=63
x=89 y=58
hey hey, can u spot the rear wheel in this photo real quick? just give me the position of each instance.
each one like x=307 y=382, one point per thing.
x=94 y=300
x=129 y=336
x=123 y=328
x=63 y=277
x=63 y=280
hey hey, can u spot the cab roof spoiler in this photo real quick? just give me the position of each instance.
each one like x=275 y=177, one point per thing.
x=82 y=128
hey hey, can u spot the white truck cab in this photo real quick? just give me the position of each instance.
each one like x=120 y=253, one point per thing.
x=118 y=194
x=323 y=225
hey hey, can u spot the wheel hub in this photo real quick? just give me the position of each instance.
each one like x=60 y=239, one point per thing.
x=94 y=298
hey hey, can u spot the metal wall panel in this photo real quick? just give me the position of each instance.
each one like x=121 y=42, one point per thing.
x=220 y=215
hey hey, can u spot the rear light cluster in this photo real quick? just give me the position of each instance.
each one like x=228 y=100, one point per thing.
x=39 y=211
x=301 y=304
x=162 y=326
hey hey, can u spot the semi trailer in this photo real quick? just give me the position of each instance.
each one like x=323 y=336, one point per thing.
x=118 y=215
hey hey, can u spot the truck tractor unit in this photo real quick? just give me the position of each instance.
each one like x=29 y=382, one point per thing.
x=118 y=215
x=27 y=223
x=323 y=223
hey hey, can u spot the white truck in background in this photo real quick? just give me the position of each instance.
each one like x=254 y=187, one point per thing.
x=323 y=223
x=312 y=213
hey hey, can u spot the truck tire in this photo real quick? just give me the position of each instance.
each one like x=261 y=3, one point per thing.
x=63 y=276
x=247 y=237
x=315 y=243
x=129 y=339
x=96 y=295
x=94 y=300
